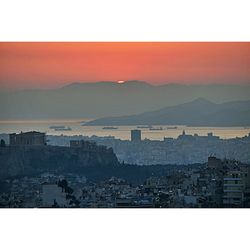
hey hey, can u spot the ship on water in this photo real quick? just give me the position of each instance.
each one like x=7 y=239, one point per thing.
x=175 y=127
x=144 y=126
x=61 y=128
x=56 y=126
x=110 y=128
x=156 y=128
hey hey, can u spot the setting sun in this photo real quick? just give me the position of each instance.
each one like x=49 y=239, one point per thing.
x=53 y=64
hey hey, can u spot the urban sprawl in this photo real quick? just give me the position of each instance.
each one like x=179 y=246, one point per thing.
x=192 y=171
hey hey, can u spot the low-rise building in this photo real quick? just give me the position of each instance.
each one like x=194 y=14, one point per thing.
x=32 y=138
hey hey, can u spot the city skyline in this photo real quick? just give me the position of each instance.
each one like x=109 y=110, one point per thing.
x=76 y=131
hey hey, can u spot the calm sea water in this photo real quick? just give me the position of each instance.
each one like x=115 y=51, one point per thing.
x=123 y=132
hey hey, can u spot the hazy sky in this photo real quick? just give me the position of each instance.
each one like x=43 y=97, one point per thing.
x=50 y=64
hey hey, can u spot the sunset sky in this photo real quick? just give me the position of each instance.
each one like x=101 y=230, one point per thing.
x=53 y=64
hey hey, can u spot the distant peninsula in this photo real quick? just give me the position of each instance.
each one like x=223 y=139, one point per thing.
x=199 y=112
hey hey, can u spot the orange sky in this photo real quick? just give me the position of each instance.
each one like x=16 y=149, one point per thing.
x=53 y=64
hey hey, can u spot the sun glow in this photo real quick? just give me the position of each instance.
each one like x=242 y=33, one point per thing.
x=53 y=64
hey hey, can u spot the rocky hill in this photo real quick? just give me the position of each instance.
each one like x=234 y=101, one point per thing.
x=32 y=160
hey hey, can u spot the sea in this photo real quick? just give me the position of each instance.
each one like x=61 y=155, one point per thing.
x=120 y=132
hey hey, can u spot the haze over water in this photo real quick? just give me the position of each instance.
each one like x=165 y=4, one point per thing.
x=122 y=132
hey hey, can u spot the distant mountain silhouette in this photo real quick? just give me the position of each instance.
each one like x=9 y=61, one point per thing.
x=199 y=112
x=102 y=99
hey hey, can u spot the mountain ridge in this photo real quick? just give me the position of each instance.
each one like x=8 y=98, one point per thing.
x=199 y=112
x=102 y=99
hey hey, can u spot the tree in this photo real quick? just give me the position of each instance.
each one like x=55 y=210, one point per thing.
x=63 y=184
x=69 y=190
x=2 y=143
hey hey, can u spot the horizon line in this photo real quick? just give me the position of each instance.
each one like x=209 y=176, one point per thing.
x=126 y=82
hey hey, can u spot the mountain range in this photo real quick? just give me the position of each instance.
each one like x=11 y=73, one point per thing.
x=105 y=99
x=199 y=112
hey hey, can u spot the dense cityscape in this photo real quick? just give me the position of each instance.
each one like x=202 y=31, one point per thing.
x=185 y=149
x=212 y=182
